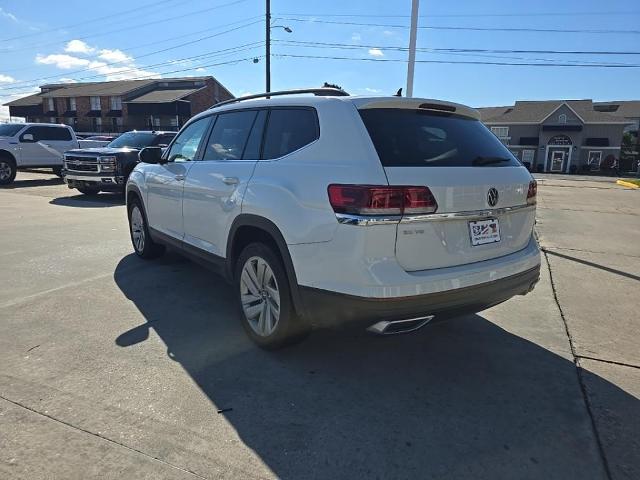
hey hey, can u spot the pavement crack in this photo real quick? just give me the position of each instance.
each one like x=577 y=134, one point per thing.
x=75 y=427
x=579 y=372
x=611 y=362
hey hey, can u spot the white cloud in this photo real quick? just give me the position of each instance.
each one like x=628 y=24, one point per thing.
x=66 y=80
x=8 y=15
x=200 y=69
x=78 y=46
x=356 y=37
x=372 y=90
x=114 y=56
x=388 y=33
x=61 y=60
x=376 y=52
x=6 y=79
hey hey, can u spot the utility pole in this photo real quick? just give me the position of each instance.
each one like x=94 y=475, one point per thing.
x=268 y=45
x=412 y=46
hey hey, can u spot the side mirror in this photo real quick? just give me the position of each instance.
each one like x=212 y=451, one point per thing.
x=151 y=155
x=27 y=137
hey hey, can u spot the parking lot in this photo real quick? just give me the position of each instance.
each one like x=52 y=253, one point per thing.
x=113 y=367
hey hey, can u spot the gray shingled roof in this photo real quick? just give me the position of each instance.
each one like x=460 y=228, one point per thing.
x=25 y=101
x=487 y=113
x=163 y=96
x=536 y=111
x=119 y=87
x=626 y=108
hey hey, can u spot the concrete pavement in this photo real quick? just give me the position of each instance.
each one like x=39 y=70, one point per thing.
x=112 y=367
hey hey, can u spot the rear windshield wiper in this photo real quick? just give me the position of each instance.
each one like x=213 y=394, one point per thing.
x=480 y=161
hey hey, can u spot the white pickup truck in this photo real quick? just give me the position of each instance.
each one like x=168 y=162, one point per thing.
x=34 y=145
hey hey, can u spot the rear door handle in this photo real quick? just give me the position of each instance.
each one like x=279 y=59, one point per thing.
x=179 y=178
x=231 y=180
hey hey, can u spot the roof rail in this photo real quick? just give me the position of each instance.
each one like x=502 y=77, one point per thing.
x=325 y=91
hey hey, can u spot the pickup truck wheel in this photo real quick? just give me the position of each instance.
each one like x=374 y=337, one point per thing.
x=264 y=297
x=143 y=245
x=8 y=170
x=89 y=190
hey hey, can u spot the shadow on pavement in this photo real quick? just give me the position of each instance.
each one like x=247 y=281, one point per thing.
x=36 y=182
x=100 y=200
x=592 y=264
x=459 y=399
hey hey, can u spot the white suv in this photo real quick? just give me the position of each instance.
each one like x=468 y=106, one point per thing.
x=331 y=209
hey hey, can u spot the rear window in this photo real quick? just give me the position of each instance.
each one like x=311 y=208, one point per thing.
x=133 y=140
x=416 y=138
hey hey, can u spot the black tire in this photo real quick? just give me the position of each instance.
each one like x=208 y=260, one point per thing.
x=8 y=170
x=89 y=191
x=57 y=171
x=289 y=328
x=146 y=249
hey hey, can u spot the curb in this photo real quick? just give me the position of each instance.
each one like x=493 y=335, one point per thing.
x=627 y=184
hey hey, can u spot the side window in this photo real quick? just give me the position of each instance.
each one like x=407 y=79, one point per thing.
x=186 y=144
x=252 y=150
x=229 y=135
x=35 y=131
x=55 y=133
x=289 y=129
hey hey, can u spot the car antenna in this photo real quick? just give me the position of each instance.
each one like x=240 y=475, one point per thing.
x=398 y=93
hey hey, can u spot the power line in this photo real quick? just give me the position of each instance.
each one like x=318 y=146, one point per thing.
x=92 y=20
x=222 y=52
x=430 y=51
x=466 y=50
x=111 y=31
x=22 y=84
x=521 y=64
x=463 y=15
x=479 y=29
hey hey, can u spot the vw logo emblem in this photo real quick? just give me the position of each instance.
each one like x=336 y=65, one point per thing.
x=492 y=197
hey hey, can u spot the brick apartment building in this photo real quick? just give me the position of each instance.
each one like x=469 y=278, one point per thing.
x=119 y=106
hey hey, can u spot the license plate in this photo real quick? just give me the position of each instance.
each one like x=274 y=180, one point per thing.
x=484 y=231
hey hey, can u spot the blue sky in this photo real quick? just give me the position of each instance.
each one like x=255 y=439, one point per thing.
x=45 y=42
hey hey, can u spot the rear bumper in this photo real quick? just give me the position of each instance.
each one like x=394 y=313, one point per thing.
x=325 y=308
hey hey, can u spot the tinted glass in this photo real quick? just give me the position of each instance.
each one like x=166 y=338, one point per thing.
x=413 y=138
x=229 y=135
x=252 y=150
x=9 y=130
x=289 y=129
x=133 y=140
x=55 y=133
x=164 y=139
x=186 y=143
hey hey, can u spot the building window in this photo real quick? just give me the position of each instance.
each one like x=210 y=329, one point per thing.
x=97 y=124
x=156 y=121
x=502 y=133
x=52 y=119
x=116 y=103
x=527 y=156
x=50 y=104
x=562 y=118
x=173 y=121
x=594 y=159
x=95 y=103
x=72 y=104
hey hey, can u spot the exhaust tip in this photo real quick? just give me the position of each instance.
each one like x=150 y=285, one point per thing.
x=394 y=327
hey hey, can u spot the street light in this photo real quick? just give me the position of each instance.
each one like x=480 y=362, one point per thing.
x=268 y=42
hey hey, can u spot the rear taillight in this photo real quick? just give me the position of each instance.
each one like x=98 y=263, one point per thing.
x=532 y=192
x=381 y=200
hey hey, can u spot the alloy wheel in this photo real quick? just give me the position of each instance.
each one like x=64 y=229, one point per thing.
x=137 y=228
x=260 y=296
x=5 y=170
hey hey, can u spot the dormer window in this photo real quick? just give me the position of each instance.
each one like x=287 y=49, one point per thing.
x=562 y=118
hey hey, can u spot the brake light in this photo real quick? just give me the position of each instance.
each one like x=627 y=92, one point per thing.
x=381 y=200
x=532 y=192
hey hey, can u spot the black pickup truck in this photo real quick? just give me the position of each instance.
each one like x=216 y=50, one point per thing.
x=92 y=170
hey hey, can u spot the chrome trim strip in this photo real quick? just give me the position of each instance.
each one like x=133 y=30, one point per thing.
x=86 y=178
x=470 y=215
x=381 y=327
x=368 y=220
